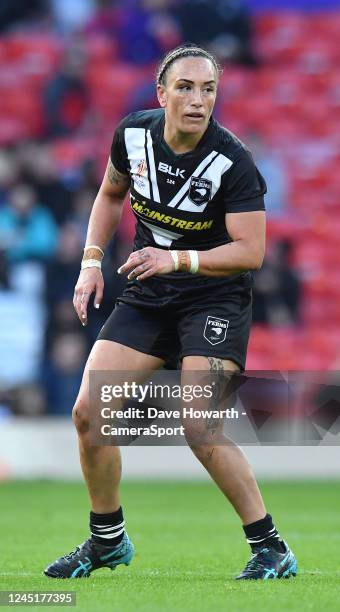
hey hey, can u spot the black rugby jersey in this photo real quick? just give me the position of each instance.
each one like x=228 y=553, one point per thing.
x=180 y=200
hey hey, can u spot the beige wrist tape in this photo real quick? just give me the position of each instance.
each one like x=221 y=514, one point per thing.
x=185 y=261
x=93 y=252
x=174 y=256
x=194 y=262
x=90 y=263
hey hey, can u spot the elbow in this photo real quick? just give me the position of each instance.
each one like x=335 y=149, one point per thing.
x=256 y=260
x=258 y=263
x=251 y=254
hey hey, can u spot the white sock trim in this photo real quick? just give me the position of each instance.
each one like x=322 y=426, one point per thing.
x=106 y=527
x=110 y=536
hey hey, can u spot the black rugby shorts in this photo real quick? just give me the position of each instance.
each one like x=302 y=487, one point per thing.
x=171 y=320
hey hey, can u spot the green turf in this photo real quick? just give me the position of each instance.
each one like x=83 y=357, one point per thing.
x=189 y=545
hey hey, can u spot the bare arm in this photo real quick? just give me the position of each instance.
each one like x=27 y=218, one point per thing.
x=104 y=220
x=246 y=252
x=107 y=207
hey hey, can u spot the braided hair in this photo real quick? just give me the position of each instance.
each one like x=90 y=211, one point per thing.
x=189 y=50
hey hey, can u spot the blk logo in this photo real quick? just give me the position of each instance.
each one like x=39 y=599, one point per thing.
x=168 y=170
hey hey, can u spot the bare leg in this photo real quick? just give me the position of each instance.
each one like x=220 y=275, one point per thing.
x=101 y=465
x=226 y=463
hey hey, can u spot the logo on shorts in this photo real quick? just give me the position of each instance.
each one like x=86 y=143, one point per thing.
x=199 y=190
x=215 y=330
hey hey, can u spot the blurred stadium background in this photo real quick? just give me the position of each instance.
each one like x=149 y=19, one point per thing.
x=69 y=70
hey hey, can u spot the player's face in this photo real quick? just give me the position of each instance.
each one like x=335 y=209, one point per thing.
x=189 y=94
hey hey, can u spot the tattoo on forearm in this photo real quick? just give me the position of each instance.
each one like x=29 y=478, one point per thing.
x=216 y=365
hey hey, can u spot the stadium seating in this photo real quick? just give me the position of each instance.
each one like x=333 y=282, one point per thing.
x=292 y=100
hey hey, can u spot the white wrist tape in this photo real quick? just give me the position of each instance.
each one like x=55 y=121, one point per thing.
x=174 y=256
x=90 y=263
x=94 y=246
x=194 y=262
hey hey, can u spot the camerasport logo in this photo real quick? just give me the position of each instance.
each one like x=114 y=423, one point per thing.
x=199 y=190
x=215 y=330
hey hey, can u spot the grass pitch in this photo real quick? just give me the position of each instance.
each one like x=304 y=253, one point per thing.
x=189 y=546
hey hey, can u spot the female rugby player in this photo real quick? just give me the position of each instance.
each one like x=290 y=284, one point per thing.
x=198 y=200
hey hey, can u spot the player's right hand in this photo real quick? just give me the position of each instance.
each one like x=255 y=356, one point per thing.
x=90 y=280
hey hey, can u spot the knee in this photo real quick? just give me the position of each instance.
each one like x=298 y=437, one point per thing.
x=203 y=441
x=197 y=440
x=80 y=417
x=202 y=451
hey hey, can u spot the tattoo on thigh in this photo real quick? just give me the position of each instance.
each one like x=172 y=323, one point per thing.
x=216 y=365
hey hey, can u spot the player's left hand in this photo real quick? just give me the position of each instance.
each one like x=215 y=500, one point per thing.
x=147 y=262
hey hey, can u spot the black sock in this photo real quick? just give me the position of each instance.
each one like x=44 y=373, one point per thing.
x=263 y=533
x=107 y=529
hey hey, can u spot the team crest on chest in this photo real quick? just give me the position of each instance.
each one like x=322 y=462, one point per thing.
x=199 y=190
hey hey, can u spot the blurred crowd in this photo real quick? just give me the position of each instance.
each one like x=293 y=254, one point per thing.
x=143 y=29
x=43 y=220
x=54 y=150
